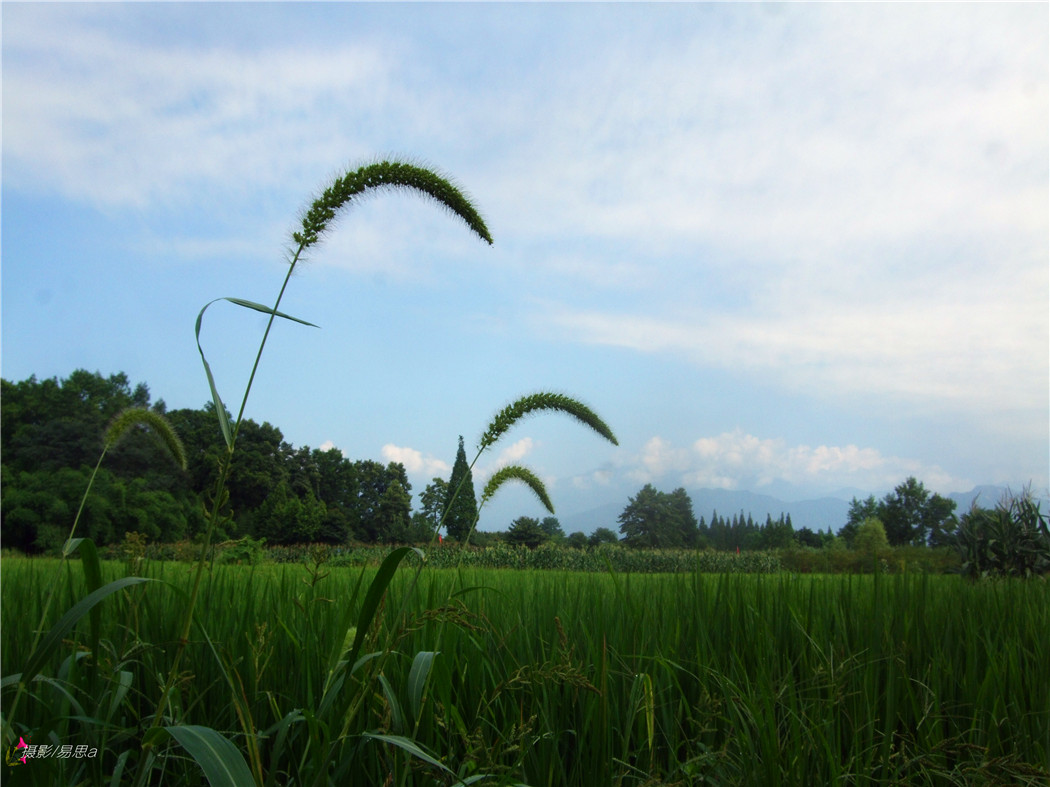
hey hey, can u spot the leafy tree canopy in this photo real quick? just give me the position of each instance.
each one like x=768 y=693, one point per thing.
x=526 y=531
x=910 y=515
x=657 y=519
x=53 y=434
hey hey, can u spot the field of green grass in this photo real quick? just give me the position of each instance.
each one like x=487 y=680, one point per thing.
x=543 y=678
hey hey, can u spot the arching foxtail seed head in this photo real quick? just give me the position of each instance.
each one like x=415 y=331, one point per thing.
x=512 y=413
x=517 y=473
x=386 y=174
x=155 y=422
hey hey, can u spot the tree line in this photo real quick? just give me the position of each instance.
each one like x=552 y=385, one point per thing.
x=50 y=439
x=910 y=515
x=51 y=434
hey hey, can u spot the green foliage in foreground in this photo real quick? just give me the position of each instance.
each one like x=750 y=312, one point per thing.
x=550 y=678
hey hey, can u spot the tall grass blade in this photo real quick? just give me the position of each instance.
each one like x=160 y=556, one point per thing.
x=53 y=639
x=279 y=733
x=411 y=747
x=93 y=577
x=375 y=594
x=222 y=764
x=417 y=679
x=118 y=769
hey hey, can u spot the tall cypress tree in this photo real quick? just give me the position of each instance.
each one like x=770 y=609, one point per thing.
x=461 y=507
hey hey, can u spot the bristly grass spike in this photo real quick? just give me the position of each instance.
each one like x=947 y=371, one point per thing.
x=544 y=400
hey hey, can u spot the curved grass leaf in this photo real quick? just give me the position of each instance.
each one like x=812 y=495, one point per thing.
x=51 y=641
x=397 y=716
x=375 y=594
x=222 y=763
x=220 y=408
x=266 y=310
x=409 y=745
x=417 y=679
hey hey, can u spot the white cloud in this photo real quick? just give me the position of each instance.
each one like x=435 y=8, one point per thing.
x=737 y=460
x=415 y=462
x=659 y=458
x=96 y=116
x=512 y=454
x=515 y=452
x=328 y=445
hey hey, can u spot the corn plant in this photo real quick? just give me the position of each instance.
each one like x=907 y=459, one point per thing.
x=1013 y=539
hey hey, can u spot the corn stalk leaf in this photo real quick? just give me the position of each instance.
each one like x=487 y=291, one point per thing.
x=220 y=760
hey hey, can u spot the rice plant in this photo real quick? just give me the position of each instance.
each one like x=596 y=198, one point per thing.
x=565 y=678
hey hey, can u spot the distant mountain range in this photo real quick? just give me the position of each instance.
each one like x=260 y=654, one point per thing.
x=816 y=514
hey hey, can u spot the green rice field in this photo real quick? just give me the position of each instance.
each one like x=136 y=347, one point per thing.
x=540 y=677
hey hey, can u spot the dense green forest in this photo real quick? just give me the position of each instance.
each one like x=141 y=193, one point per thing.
x=51 y=433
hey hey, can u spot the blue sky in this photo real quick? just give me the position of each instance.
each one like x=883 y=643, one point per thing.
x=785 y=248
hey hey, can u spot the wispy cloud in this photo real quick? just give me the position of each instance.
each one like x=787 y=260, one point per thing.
x=965 y=347
x=118 y=123
x=737 y=460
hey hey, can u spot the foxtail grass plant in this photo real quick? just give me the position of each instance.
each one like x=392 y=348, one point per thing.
x=506 y=418
x=315 y=223
x=213 y=752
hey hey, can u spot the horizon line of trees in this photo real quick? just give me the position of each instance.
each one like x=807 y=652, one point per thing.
x=51 y=435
